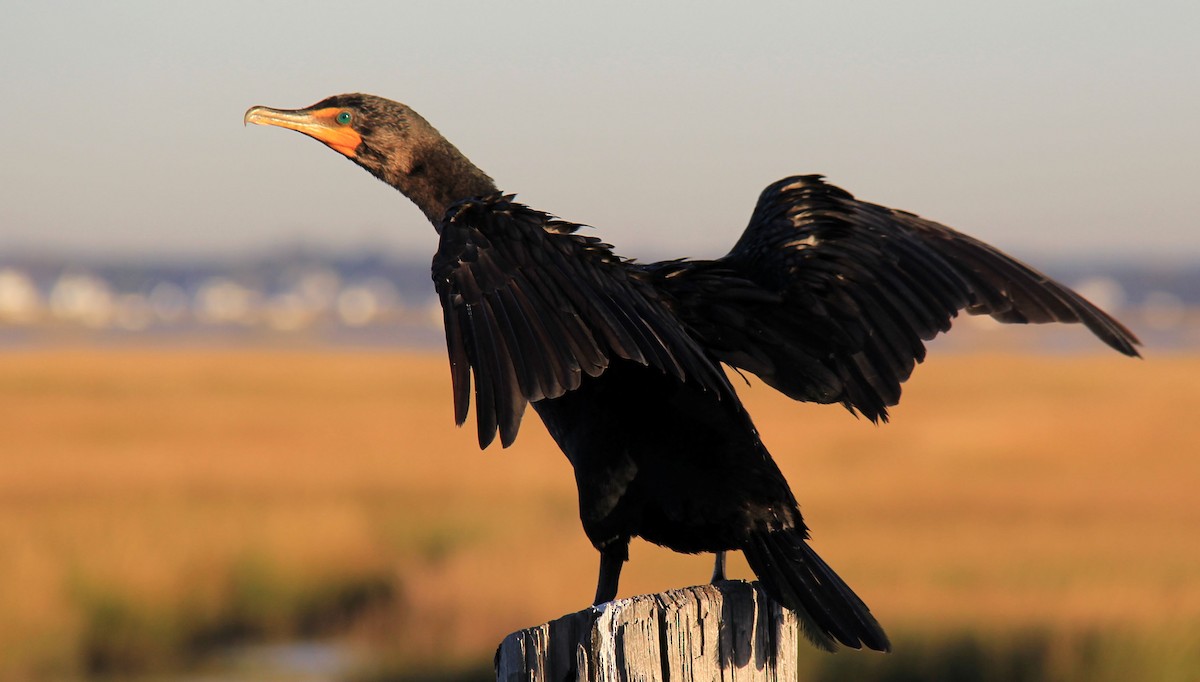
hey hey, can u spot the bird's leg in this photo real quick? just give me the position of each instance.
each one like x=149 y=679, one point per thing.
x=719 y=567
x=610 y=574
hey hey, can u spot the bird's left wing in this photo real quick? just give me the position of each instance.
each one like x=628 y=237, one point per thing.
x=530 y=307
x=830 y=299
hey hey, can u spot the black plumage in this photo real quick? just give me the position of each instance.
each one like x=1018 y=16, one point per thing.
x=826 y=298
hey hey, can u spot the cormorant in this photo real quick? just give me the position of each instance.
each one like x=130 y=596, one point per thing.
x=824 y=297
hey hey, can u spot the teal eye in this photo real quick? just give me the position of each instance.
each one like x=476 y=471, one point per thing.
x=344 y=118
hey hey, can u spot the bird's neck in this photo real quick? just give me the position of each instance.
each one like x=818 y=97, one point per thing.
x=435 y=176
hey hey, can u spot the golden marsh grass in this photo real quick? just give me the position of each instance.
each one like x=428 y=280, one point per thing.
x=181 y=486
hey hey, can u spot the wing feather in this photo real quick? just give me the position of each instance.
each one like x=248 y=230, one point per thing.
x=460 y=365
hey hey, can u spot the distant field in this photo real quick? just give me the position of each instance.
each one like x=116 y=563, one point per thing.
x=157 y=504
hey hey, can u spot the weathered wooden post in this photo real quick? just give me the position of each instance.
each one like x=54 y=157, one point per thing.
x=726 y=631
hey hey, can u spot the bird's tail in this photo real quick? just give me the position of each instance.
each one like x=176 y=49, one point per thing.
x=829 y=611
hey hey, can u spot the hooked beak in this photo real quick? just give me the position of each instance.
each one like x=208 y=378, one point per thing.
x=319 y=124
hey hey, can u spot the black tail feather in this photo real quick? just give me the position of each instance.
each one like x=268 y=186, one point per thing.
x=829 y=611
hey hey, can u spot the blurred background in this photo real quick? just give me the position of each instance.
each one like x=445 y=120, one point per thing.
x=228 y=448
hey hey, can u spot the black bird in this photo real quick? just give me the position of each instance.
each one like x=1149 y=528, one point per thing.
x=826 y=298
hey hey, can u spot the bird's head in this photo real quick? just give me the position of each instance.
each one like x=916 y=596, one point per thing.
x=371 y=131
x=389 y=140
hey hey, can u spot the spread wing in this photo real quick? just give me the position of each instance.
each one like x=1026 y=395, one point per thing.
x=830 y=299
x=530 y=307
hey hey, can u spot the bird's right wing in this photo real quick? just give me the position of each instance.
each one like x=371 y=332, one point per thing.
x=830 y=299
x=530 y=307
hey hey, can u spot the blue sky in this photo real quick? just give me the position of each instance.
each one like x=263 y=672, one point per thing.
x=1048 y=128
